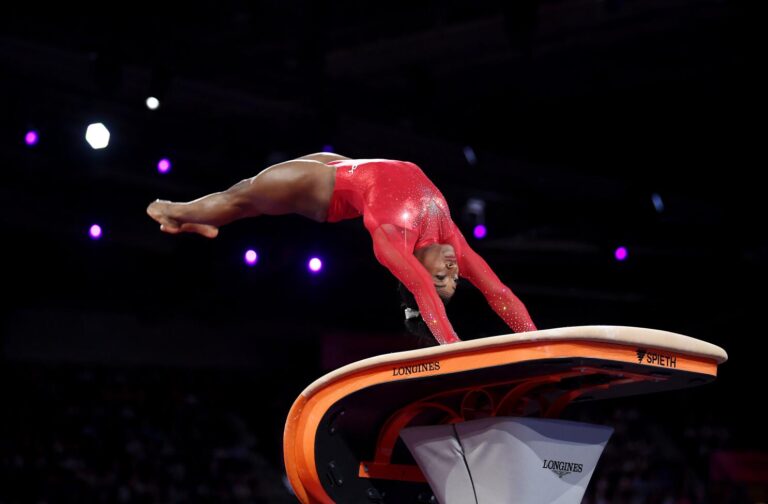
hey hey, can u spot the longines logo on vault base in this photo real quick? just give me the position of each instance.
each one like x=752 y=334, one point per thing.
x=562 y=468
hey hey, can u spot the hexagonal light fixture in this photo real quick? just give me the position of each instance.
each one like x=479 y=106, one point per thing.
x=97 y=135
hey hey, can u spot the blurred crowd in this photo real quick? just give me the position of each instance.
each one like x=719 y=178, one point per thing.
x=651 y=460
x=135 y=436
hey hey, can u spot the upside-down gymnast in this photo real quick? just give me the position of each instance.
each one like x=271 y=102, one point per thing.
x=406 y=215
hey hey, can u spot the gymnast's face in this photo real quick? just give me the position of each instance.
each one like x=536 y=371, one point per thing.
x=441 y=263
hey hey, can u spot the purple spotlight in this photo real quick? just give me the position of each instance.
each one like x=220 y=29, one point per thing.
x=621 y=254
x=251 y=257
x=95 y=232
x=327 y=148
x=315 y=265
x=164 y=165
x=480 y=231
x=31 y=138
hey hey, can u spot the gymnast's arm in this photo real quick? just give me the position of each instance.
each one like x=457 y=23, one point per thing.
x=499 y=296
x=392 y=251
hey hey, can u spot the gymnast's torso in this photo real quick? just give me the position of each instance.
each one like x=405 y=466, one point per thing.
x=390 y=192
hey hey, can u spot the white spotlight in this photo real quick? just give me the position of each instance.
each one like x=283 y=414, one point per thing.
x=152 y=103
x=97 y=135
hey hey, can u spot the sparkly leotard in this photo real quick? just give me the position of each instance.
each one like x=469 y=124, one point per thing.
x=404 y=211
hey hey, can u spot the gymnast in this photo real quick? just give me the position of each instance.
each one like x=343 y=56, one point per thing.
x=406 y=215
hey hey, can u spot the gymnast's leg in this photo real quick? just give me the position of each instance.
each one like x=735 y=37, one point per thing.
x=303 y=186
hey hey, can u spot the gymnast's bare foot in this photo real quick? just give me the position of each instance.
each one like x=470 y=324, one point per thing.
x=168 y=215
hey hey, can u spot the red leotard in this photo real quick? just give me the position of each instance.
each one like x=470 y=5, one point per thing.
x=404 y=211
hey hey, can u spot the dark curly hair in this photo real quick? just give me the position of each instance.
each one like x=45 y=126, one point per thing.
x=416 y=327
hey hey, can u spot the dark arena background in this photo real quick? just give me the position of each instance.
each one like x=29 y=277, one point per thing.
x=612 y=150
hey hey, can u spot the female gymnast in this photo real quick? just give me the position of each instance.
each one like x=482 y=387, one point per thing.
x=406 y=215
